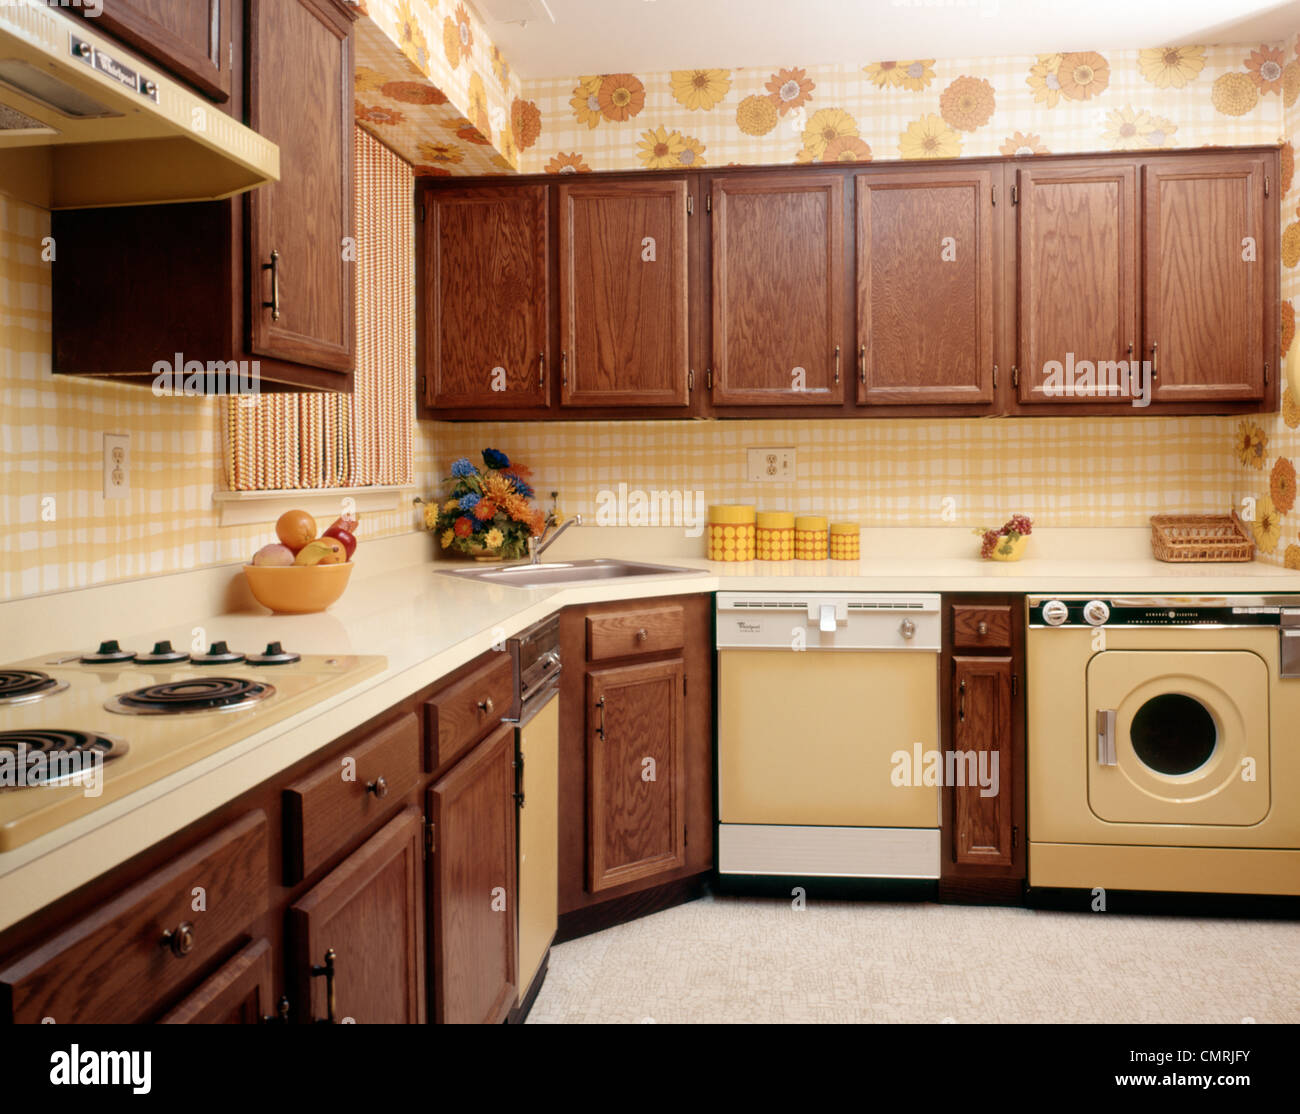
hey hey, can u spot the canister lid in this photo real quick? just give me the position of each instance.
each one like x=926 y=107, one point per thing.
x=775 y=520
x=731 y=513
x=845 y=528
x=810 y=522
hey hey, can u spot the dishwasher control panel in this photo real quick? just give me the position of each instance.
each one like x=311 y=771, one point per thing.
x=829 y=621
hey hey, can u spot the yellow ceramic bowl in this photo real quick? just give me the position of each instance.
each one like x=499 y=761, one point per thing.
x=297 y=591
x=1017 y=548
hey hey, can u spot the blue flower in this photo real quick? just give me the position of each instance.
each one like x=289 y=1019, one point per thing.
x=468 y=502
x=523 y=488
x=494 y=458
x=463 y=469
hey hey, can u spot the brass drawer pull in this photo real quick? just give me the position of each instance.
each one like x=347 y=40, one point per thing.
x=486 y=705
x=179 y=940
x=961 y=702
x=274 y=304
x=379 y=787
x=601 y=729
x=327 y=969
x=982 y=628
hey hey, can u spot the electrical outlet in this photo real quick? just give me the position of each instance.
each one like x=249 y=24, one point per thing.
x=117 y=465
x=771 y=465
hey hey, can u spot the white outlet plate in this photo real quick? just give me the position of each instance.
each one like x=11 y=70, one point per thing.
x=771 y=465
x=117 y=465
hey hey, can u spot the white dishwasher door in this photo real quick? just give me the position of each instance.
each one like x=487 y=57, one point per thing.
x=813 y=738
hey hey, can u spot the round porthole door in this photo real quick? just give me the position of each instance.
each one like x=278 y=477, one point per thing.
x=1178 y=737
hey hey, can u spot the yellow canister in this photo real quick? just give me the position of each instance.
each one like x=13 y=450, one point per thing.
x=845 y=541
x=810 y=538
x=731 y=533
x=775 y=536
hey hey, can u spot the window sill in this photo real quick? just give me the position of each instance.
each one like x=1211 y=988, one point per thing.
x=245 y=508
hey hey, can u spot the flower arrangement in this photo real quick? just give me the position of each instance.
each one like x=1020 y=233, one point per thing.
x=1006 y=544
x=487 y=512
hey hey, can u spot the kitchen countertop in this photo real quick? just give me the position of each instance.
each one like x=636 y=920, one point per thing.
x=427 y=624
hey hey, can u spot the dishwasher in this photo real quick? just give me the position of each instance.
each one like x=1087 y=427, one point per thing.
x=827 y=703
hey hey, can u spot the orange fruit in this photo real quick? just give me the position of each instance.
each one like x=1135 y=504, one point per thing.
x=295 y=529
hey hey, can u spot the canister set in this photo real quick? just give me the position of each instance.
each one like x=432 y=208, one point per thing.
x=740 y=533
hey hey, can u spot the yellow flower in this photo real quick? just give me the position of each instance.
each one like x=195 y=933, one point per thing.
x=451 y=42
x=410 y=37
x=430 y=516
x=826 y=125
x=659 y=148
x=368 y=80
x=447 y=537
x=1128 y=129
x=1083 y=74
x=846 y=148
x=1291 y=245
x=1251 y=445
x=1234 y=94
x=1290 y=83
x=1292 y=558
x=572 y=163
x=1290 y=409
x=451 y=505
x=914 y=74
x=500 y=66
x=1018 y=143
x=586 y=100
x=1045 y=79
x=929 y=138
x=1267 y=525
x=692 y=152
x=1171 y=67
x=700 y=88
x=756 y=115
x=494 y=538
x=478 y=106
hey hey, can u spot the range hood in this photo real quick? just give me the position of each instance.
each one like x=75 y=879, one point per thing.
x=85 y=124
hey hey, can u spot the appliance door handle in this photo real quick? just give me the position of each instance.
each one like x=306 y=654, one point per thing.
x=827 y=619
x=1106 y=738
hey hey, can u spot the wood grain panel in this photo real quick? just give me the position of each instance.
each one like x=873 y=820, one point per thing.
x=370 y=911
x=92 y=971
x=1077 y=293
x=238 y=994
x=341 y=798
x=485 y=297
x=982 y=726
x=466 y=710
x=635 y=822
x=189 y=38
x=987 y=627
x=925 y=291
x=624 y=320
x=305 y=217
x=644 y=631
x=472 y=866
x=778 y=281
x=1205 y=306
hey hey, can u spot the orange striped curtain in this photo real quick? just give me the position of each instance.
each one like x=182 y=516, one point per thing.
x=363 y=439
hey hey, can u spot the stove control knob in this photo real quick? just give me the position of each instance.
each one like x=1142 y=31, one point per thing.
x=1055 y=613
x=1096 y=612
x=218 y=650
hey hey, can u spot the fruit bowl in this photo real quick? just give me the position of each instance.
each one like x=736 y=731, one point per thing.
x=297 y=590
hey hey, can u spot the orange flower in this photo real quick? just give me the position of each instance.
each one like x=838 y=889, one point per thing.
x=846 y=148
x=621 y=96
x=521 y=471
x=572 y=163
x=485 y=509
x=414 y=92
x=464 y=30
x=967 y=103
x=790 y=89
x=1281 y=485
x=1288 y=166
x=525 y=123
x=463 y=527
x=1018 y=143
x=1288 y=326
x=377 y=114
x=1265 y=69
x=1083 y=74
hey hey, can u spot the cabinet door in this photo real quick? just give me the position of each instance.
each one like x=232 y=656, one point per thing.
x=370 y=911
x=636 y=788
x=300 y=97
x=623 y=311
x=473 y=883
x=239 y=993
x=778 y=281
x=1077 y=293
x=486 y=297
x=925 y=287
x=1204 y=324
x=191 y=38
x=982 y=737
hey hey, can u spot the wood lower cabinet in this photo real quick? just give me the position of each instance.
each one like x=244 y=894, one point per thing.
x=368 y=915
x=190 y=38
x=238 y=994
x=485 y=292
x=472 y=883
x=1209 y=277
x=778 y=281
x=925 y=289
x=982 y=715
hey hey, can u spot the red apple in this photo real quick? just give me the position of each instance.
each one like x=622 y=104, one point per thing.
x=344 y=536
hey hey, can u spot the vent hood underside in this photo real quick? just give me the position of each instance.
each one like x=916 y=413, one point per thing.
x=84 y=124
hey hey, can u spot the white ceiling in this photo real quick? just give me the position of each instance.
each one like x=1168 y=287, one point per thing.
x=616 y=36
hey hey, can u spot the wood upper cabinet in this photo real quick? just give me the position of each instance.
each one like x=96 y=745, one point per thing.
x=982 y=735
x=1207 y=320
x=472 y=871
x=1077 y=239
x=778 y=281
x=925 y=293
x=302 y=228
x=636 y=784
x=368 y=911
x=486 y=297
x=624 y=320
x=190 y=38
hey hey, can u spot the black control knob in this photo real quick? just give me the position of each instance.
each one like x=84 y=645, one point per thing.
x=109 y=651
x=275 y=654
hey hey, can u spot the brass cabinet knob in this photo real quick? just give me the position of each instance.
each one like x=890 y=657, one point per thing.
x=486 y=705
x=180 y=940
x=982 y=628
x=379 y=787
x=642 y=634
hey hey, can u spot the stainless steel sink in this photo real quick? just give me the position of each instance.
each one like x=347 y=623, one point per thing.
x=546 y=575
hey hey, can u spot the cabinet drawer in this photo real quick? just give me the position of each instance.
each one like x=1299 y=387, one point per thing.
x=460 y=715
x=622 y=634
x=975 y=627
x=119 y=964
x=335 y=803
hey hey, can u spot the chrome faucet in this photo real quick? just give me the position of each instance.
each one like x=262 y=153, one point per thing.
x=540 y=543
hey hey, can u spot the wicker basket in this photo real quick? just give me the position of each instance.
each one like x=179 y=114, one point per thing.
x=1200 y=537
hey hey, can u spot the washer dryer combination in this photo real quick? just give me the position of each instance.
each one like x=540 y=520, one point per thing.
x=1164 y=743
